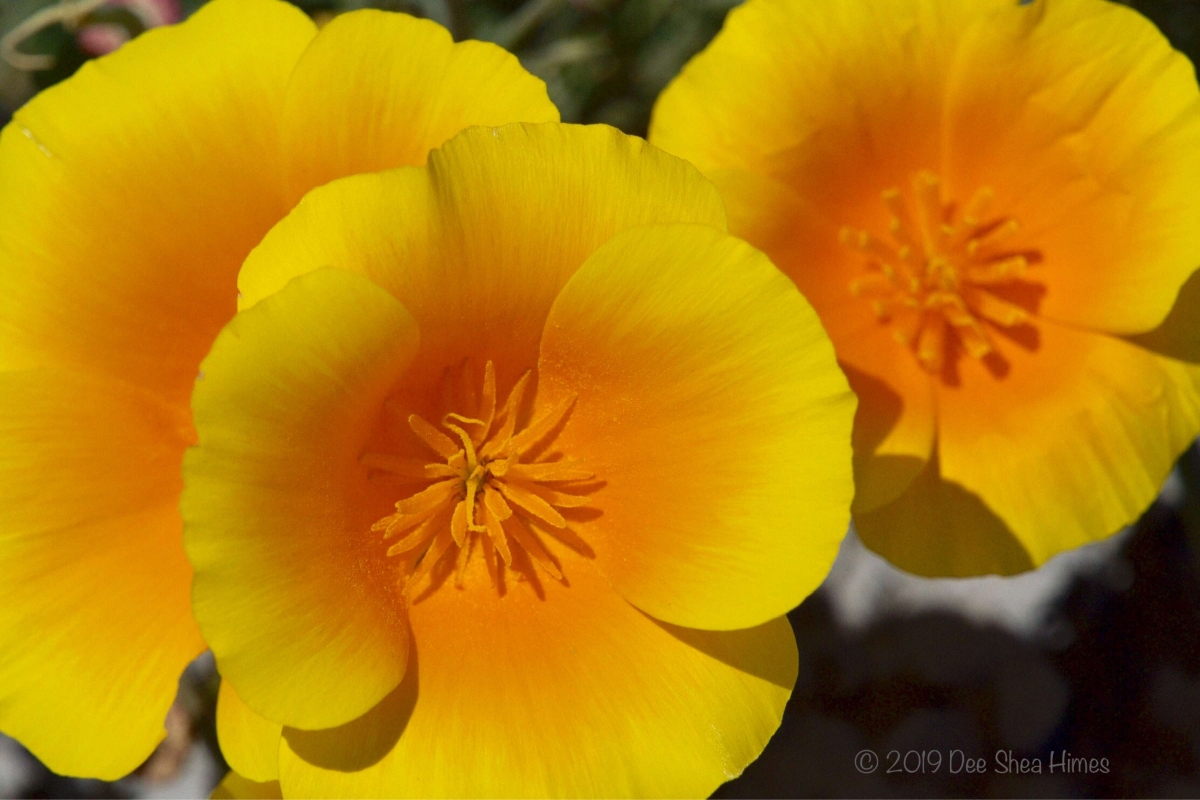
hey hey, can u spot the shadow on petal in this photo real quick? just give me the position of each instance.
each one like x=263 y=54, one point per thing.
x=754 y=651
x=1179 y=335
x=939 y=529
x=363 y=742
x=879 y=479
x=878 y=411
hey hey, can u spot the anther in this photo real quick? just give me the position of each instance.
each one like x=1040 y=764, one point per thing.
x=933 y=283
x=992 y=236
x=481 y=488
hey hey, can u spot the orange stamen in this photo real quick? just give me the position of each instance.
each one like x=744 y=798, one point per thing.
x=482 y=489
x=933 y=282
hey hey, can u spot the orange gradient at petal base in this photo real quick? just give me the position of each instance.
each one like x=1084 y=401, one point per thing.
x=130 y=194
x=693 y=360
x=588 y=357
x=571 y=694
x=1099 y=398
x=485 y=476
x=978 y=198
x=478 y=214
x=345 y=625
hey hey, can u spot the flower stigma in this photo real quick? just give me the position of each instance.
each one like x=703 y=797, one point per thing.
x=489 y=490
x=936 y=281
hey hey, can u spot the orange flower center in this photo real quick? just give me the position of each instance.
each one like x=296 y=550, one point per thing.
x=936 y=280
x=488 y=489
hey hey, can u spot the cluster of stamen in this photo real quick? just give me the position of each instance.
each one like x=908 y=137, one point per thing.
x=487 y=493
x=936 y=279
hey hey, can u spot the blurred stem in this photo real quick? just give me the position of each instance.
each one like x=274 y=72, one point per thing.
x=521 y=23
x=565 y=52
x=67 y=12
x=460 y=24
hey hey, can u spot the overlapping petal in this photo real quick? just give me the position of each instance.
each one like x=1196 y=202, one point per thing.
x=295 y=601
x=249 y=743
x=94 y=598
x=706 y=405
x=378 y=90
x=895 y=424
x=1077 y=405
x=700 y=374
x=573 y=693
x=1095 y=417
x=467 y=240
x=234 y=787
x=129 y=196
x=1087 y=125
x=132 y=192
x=1079 y=127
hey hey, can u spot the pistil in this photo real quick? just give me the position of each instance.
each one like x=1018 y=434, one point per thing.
x=486 y=487
x=935 y=280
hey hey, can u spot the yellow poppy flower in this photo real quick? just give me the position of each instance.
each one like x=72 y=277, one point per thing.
x=980 y=198
x=507 y=472
x=129 y=197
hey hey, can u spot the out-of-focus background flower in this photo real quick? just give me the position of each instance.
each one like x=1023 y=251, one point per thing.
x=1096 y=654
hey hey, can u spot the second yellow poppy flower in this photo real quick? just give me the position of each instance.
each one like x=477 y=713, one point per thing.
x=980 y=198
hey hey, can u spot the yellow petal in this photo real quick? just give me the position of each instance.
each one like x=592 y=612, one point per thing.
x=785 y=80
x=133 y=191
x=1178 y=337
x=235 y=787
x=711 y=408
x=938 y=529
x=292 y=590
x=802 y=112
x=894 y=425
x=1077 y=113
x=478 y=245
x=1087 y=125
x=94 y=606
x=249 y=743
x=574 y=695
x=378 y=90
x=1069 y=446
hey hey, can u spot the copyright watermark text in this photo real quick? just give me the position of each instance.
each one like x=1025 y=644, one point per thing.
x=957 y=762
